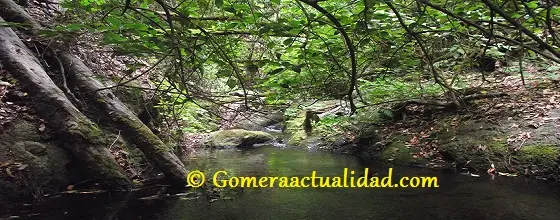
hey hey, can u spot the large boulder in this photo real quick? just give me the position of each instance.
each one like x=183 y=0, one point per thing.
x=31 y=164
x=236 y=138
x=261 y=121
x=296 y=122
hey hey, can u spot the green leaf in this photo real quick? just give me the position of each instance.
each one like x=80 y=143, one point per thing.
x=219 y=3
x=73 y=27
x=231 y=25
x=270 y=45
x=230 y=9
x=224 y=73
x=113 y=21
x=278 y=70
x=135 y=26
x=287 y=42
x=231 y=83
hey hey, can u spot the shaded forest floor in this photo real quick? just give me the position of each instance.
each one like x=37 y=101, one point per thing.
x=511 y=135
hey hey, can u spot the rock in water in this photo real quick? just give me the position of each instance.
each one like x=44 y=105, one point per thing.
x=236 y=138
x=260 y=122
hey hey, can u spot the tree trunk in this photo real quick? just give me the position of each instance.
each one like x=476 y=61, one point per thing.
x=134 y=130
x=12 y=12
x=81 y=136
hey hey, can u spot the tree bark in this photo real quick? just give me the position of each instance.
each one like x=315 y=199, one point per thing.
x=82 y=137
x=133 y=129
x=12 y=12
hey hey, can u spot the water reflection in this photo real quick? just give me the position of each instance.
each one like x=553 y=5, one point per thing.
x=459 y=196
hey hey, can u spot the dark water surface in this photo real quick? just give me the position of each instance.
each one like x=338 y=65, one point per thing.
x=458 y=197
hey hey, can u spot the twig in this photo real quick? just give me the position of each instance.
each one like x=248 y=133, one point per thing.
x=115 y=141
x=64 y=84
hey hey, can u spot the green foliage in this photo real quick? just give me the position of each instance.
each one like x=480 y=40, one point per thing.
x=391 y=88
x=186 y=115
x=332 y=125
x=289 y=51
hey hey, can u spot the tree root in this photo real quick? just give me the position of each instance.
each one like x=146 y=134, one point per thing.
x=399 y=108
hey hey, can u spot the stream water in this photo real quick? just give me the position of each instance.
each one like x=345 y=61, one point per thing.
x=458 y=197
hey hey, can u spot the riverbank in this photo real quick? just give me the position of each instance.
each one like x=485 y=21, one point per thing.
x=517 y=134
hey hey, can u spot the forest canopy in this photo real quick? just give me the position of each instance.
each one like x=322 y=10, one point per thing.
x=364 y=52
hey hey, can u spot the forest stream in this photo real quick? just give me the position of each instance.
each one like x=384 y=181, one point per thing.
x=252 y=109
x=458 y=197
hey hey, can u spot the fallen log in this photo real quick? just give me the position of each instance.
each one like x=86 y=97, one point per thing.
x=83 y=138
x=447 y=104
x=398 y=110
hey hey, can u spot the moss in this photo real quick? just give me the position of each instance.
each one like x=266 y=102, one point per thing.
x=330 y=138
x=143 y=131
x=295 y=124
x=321 y=133
x=446 y=123
x=320 y=105
x=294 y=127
x=473 y=144
x=483 y=147
x=447 y=135
x=397 y=153
x=544 y=156
x=297 y=138
x=498 y=145
x=90 y=132
x=371 y=116
x=237 y=138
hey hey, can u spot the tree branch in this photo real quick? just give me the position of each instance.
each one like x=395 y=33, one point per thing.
x=349 y=45
x=520 y=27
x=486 y=32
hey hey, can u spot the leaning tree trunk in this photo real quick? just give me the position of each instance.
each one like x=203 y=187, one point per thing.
x=133 y=128
x=79 y=135
x=12 y=12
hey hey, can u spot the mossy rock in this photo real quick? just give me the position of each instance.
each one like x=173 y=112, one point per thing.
x=297 y=138
x=398 y=153
x=482 y=145
x=541 y=160
x=259 y=122
x=545 y=155
x=475 y=144
x=44 y=167
x=294 y=125
x=236 y=138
